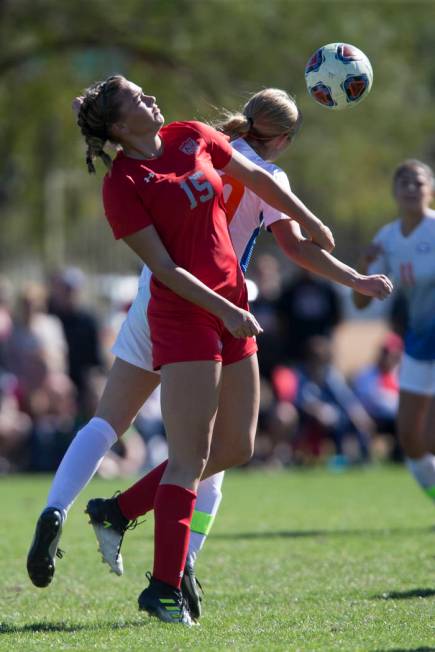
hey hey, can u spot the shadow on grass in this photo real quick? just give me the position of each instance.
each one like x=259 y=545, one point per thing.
x=300 y=534
x=406 y=595
x=407 y=649
x=38 y=627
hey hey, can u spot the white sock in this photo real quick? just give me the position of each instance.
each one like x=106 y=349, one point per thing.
x=80 y=462
x=423 y=470
x=207 y=504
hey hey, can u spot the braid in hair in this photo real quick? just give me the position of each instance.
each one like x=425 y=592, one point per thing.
x=99 y=109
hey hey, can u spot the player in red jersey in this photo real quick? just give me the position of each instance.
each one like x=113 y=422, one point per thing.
x=163 y=188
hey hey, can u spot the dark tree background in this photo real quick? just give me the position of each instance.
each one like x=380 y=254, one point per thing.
x=196 y=56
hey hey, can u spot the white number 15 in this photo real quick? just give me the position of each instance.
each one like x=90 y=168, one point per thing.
x=204 y=188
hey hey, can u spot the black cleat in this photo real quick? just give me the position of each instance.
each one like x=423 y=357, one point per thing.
x=164 y=602
x=109 y=526
x=191 y=588
x=41 y=560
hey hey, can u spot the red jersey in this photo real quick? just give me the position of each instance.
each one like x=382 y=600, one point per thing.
x=180 y=194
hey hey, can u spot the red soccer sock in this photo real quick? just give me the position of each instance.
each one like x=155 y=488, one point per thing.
x=173 y=509
x=139 y=498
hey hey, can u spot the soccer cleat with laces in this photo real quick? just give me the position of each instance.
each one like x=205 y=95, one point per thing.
x=41 y=559
x=109 y=525
x=191 y=588
x=164 y=602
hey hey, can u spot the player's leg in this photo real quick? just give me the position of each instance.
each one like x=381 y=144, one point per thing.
x=233 y=438
x=207 y=504
x=416 y=392
x=429 y=438
x=126 y=390
x=130 y=383
x=234 y=431
x=411 y=423
x=232 y=442
x=190 y=398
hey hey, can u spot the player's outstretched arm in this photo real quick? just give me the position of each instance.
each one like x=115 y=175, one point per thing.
x=308 y=255
x=265 y=186
x=371 y=253
x=147 y=245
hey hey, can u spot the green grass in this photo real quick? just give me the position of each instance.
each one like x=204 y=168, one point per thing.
x=296 y=561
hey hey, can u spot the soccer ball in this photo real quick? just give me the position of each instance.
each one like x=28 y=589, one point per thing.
x=338 y=76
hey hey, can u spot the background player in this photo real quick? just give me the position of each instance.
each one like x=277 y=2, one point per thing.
x=405 y=250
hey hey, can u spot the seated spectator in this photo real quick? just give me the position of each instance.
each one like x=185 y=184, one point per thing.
x=35 y=345
x=327 y=405
x=377 y=388
x=80 y=325
x=5 y=314
x=14 y=428
x=276 y=426
x=53 y=409
x=307 y=306
x=266 y=274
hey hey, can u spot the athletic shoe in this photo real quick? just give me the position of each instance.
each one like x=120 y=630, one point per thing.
x=190 y=588
x=109 y=525
x=164 y=602
x=41 y=560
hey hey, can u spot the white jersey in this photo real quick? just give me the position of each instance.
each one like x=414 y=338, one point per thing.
x=410 y=262
x=246 y=212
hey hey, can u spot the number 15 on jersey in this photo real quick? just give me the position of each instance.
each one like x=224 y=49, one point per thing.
x=196 y=188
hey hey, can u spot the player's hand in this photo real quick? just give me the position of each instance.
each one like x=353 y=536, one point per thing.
x=241 y=323
x=377 y=286
x=322 y=236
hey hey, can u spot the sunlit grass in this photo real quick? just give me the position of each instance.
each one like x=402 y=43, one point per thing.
x=296 y=561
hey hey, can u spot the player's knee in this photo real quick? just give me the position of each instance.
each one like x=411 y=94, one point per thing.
x=246 y=452
x=189 y=463
x=242 y=452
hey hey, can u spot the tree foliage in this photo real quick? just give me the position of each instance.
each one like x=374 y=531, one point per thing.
x=196 y=55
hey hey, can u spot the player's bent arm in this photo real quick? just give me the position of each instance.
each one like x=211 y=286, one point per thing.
x=308 y=255
x=265 y=186
x=370 y=254
x=147 y=245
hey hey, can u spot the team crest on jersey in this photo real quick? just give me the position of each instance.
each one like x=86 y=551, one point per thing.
x=189 y=147
x=149 y=177
x=423 y=247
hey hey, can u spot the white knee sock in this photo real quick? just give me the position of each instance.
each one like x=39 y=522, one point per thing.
x=423 y=470
x=80 y=462
x=207 y=504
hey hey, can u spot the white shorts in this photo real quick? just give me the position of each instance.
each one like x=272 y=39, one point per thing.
x=133 y=343
x=417 y=376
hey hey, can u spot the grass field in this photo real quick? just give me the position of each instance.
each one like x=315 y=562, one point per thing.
x=296 y=561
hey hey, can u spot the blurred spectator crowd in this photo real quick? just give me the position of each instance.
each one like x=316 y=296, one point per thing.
x=55 y=355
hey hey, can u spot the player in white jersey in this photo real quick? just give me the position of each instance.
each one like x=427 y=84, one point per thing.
x=405 y=250
x=265 y=127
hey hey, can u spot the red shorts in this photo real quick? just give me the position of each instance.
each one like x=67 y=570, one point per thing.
x=195 y=336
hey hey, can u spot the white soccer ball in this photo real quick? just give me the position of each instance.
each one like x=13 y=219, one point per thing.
x=338 y=76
